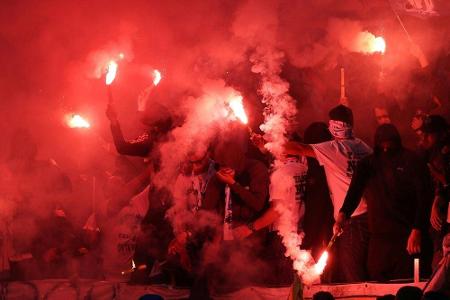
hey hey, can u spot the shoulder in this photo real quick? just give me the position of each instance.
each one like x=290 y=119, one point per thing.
x=325 y=146
x=254 y=165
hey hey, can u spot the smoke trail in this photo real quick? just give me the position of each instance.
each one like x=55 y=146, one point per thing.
x=279 y=113
x=205 y=116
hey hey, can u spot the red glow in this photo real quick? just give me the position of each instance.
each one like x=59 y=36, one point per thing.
x=111 y=72
x=322 y=263
x=156 y=77
x=237 y=107
x=77 y=121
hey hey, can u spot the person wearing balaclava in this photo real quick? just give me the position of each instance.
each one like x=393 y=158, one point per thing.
x=393 y=180
x=339 y=157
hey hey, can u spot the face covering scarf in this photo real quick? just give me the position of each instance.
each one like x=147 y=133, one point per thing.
x=340 y=130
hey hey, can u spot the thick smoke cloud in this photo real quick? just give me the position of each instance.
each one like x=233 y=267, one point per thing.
x=53 y=55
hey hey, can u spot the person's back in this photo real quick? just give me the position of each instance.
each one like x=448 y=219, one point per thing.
x=339 y=158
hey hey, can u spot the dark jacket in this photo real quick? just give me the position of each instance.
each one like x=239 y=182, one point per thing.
x=249 y=194
x=394 y=185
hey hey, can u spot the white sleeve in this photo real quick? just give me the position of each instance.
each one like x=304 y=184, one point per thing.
x=323 y=152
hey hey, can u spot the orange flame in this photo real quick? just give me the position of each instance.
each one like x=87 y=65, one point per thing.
x=238 y=109
x=322 y=263
x=156 y=77
x=77 y=121
x=369 y=43
x=111 y=72
x=379 y=45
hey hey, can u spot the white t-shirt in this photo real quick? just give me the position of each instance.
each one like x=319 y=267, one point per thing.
x=288 y=185
x=121 y=233
x=339 y=159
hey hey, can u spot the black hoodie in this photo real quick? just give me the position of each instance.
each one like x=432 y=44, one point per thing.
x=394 y=184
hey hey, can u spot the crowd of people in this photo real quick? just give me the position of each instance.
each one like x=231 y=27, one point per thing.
x=213 y=230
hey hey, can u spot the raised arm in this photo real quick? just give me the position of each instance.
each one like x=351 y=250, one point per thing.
x=138 y=147
x=294 y=148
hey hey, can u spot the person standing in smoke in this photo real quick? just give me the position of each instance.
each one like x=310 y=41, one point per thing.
x=238 y=194
x=43 y=239
x=191 y=187
x=311 y=192
x=156 y=231
x=393 y=180
x=437 y=142
x=339 y=158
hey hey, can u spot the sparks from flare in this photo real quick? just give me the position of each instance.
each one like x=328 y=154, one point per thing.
x=237 y=107
x=156 y=77
x=77 y=121
x=111 y=72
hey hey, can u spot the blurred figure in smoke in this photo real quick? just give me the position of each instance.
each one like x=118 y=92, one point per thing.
x=339 y=158
x=192 y=186
x=382 y=115
x=393 y=181
x=288 y=183
x=313 y=197
x=39 y=190
x=437 y=143
x=156 y=233
x=238 y=196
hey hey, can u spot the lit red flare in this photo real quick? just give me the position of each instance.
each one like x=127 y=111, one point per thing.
x=77 y=121
x=368 y=43
x=379 y=45
x=134 y=268
x=237 y=107
x=156 y=77
x=321 y=263
x=111 y=72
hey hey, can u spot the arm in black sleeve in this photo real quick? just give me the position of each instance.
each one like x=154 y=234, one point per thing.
x=357 y=186
x=254 y=197
x=138 y=147
x=421 y=176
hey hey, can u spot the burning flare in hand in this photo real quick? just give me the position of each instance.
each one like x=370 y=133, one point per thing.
x=77 y=121
x=156 y=77
x=321 y=264
x=111 y=72
x=237 y=107
x=379 y=45
x=368 y=43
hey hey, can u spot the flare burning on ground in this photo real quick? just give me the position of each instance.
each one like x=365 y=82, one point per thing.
x=77 y=121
